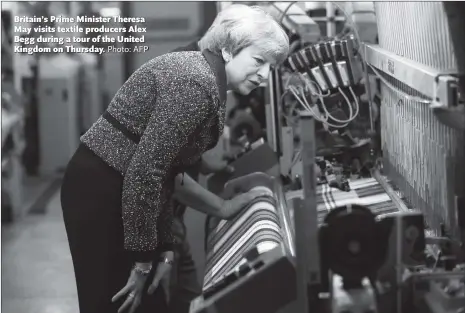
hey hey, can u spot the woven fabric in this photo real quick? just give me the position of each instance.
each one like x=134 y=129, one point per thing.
x=367 y=192
x=259 y=228
x=256 y=229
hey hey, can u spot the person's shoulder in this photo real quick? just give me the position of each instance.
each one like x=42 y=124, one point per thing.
x=193 y=46
x=187 y=65
x=183 y=59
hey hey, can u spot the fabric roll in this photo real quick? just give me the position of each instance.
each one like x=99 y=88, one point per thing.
x=256 y=230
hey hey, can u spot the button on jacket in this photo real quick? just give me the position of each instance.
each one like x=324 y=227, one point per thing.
x=175 y=106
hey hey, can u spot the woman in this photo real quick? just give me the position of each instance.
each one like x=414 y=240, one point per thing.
x=117 y=190
x=183 y=281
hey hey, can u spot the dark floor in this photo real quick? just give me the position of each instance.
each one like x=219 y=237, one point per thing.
x=37 y=272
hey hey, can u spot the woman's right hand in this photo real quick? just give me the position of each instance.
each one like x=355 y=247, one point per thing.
x=133 y=289
x=234 y=206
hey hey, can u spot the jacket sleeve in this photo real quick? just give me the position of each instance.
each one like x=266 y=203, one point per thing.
x=166 y=238
x=181 y=106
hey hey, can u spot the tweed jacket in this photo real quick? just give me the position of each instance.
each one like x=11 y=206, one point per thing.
x=160 y=122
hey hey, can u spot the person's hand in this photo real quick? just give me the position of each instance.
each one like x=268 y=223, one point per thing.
x=234 y=206
x=134 y=288
x=163 y=270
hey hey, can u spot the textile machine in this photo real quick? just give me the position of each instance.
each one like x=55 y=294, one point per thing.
x=362 y=165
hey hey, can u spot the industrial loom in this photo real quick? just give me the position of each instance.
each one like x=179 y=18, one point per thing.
x=362 y=165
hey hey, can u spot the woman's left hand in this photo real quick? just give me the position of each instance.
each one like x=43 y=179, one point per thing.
x=133 y=289
x=163 y=269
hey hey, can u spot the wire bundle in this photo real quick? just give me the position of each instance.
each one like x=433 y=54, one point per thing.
x=299 y=93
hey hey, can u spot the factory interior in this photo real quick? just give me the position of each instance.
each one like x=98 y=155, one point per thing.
x=359 y=135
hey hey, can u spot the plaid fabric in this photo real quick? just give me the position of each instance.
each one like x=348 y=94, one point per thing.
x=259 y=226
x=366 y=191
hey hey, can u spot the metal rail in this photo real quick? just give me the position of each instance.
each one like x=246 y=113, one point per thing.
x=440 y=87
x=389 y=191
x=284 y=215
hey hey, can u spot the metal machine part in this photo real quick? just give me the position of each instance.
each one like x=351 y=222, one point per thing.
x=455 y=12
x=272 y=110
x=325 y=79
x=338 y=256
x=359 y=250
x=446 y=295
x=360 y=300
x=258 y=157
x=396 y=250
x=295 y=20
x=330 y=64
x=244 y=125
x=422 y=156
x=350 y=243
x=441 y=87
x=363 y=19
x=435 y=292
x=260 y=286
x=248 y=255
x=328 y=266
x=403 y=248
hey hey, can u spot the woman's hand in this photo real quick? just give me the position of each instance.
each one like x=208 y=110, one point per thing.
x=134 y=288
x=235 y=205
x=163 y=269
x=136 y=282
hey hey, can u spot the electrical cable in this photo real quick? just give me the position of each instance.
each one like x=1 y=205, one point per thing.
x=281 y=19
x=307 y=106
x=351 y=115
x=352 y=24
x=307 y=81
x=389 y=85
x=293 y=47
x=297 y=158
x=288 y=117
x=299 y=94
x=296 y=92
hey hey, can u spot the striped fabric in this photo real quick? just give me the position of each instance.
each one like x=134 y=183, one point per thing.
x=259 y=226
x=366 y=191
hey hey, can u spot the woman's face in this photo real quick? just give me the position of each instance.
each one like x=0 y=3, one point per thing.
x=247 y=70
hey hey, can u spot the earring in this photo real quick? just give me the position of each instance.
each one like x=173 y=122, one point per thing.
x=227 y=57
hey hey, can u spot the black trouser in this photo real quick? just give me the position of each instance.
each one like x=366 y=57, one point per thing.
x=91 y=202
x=185 y=286
x=184 y=281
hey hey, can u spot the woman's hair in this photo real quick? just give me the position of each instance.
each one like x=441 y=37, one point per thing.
x=239 y=26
